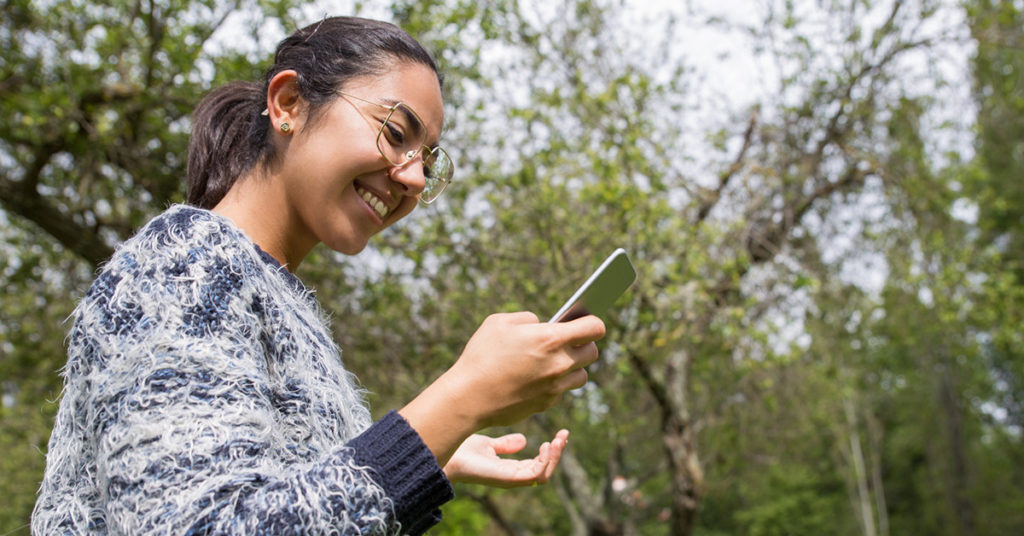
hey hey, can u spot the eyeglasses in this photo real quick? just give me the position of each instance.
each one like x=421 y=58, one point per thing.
x=401 y=138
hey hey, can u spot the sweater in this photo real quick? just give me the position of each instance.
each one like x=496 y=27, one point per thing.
x=203 y=394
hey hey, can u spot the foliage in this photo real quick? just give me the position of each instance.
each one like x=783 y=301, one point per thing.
x=38 y=281
x=994 y=184
x=824 y=338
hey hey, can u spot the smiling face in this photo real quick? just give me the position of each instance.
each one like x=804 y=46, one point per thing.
x=339 y=188
x=330 y=182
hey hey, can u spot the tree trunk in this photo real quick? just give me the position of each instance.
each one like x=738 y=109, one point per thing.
x=687 y=477
x=867 y=518
x=875 y=444
x=677 y=438
x=959 y=477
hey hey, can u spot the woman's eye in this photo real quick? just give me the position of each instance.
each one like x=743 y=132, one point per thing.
x=393 y=134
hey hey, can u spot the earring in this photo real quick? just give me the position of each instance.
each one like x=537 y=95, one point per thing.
x=285 y=127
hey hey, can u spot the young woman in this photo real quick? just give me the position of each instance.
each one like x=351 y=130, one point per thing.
x=203 y=393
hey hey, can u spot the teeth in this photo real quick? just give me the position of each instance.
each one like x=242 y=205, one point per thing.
x=374 y=201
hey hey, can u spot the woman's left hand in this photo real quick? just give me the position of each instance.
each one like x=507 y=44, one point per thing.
x=476 y=461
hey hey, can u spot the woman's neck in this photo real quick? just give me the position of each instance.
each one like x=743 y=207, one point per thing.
x=259 y=209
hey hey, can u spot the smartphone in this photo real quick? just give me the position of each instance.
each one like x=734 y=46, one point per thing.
x=600 y=290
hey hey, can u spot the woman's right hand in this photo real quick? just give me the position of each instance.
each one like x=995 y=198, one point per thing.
x=515 y=366
x=512 y=367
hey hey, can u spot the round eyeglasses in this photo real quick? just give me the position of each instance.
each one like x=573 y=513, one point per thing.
x=401 y=138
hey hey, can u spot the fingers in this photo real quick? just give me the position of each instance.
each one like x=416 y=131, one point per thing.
x=554 y=454
x=581 y=331
x=583 y=355
x=577 y=342
x=576 y=339
x=578 y=332
x=574 y=379
x=477 y=461
x=515 y=366
x=519 y=317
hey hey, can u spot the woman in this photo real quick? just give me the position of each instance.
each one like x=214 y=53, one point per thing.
x=203 y=393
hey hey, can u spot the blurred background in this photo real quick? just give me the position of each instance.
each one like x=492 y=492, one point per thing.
x=824 y=200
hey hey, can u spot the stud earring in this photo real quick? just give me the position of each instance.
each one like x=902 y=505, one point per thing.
x=285 y=127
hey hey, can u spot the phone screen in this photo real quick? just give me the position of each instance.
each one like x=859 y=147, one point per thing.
x=600 y=290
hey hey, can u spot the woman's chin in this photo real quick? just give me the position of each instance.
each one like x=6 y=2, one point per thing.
x=348 y=246
x=351 y=249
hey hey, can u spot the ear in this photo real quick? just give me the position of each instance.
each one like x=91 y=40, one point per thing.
x=284 y=104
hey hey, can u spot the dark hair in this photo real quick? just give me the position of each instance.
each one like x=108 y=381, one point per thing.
x=229 y=133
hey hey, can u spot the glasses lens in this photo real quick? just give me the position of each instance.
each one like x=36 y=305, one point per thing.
x=437 y=170
x=401 y=135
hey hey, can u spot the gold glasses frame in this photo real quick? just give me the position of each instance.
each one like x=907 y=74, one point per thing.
x=435 y=181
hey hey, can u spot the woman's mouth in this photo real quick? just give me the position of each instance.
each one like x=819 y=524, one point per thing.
x=375 y=202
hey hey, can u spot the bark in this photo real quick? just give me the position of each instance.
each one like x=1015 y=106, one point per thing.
x=678 y=440
x=579 y=525
x=687 y=476
x=863 y=502
x=590 y=515
x=877 y=483
x=959 y=471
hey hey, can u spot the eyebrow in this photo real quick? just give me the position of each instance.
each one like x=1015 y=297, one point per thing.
x=406 y=110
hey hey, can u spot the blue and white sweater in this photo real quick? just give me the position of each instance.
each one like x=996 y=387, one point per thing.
x=204 y=395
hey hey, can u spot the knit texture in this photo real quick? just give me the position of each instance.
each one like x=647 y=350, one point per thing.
x=204 y=395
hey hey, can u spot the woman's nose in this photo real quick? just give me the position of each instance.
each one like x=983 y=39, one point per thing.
x=410 y=176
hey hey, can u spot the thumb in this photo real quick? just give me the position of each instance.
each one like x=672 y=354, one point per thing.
x=508 y=444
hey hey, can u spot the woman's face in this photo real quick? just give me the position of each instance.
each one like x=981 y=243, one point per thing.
x=331 y=167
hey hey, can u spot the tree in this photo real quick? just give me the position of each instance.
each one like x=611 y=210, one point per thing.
x=993 y=182
x=748 y=383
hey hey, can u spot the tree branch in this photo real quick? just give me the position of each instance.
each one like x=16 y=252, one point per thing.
x=710 y=200
x=590 y=504
x=22 y=198
x=579 y=525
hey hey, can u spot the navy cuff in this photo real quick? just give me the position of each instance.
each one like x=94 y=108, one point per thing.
x=406 y=469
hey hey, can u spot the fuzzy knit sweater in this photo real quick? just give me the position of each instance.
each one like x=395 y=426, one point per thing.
x=204 y=395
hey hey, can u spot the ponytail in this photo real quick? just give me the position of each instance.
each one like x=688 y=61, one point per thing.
x=230 y=136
